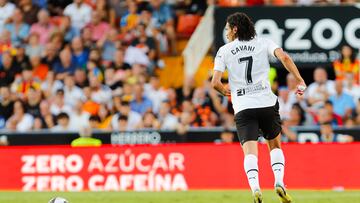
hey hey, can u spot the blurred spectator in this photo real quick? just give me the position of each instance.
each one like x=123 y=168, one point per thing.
x=320 y=90
x=185 y=123
x=98 y=27
x=105 y=117
x=21 y=60
x=63 y=123
x=39 y=70
x=133 y=118
x=204 y=109
x=123 y=123
x=47 y=119
x=140 y=103
x=24 y=82
x=20 y=121
x=80 y=55
x=43 y=27
x=121 y=67
x=167 y=120
x=66 y=65
x=49 y=86
x=32 y=106
x=174 y=102
x=145 y=43
x=30 y=10
x=8 y=69
x=80 y=78
x=94 y=122
x=296 y=118
x=6 y=10
x=285 y=104
x=109 y=44
x=326 y=115
x=68 y=30
x=226 y=137
x=336 y=119
x=155 y=93
x=163 y=16
x=4 y=140
x=106 y=11
x=90 y=106
x=72 y=92
x=79 y=12
x=6 y=104
x=327 y=134
x=351 y=88
x=58 y=105
x=343 y=103
x=149 y=121
x=100 y=93
x=111 y=79
x=50 y=56
x=85 y=139
x=34 y=48
x=78 y=117
x=56 y=7
x=357 y=119
x=347 y=64
x=18 y=29
x=131 y=18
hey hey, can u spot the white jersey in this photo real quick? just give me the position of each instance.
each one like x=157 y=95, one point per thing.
x=248 y=66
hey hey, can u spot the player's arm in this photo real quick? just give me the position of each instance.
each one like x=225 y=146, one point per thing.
x=218 y=85
x=291 y=67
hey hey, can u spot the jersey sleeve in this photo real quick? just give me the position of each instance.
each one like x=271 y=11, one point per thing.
x=271 y=46
x=219 y=63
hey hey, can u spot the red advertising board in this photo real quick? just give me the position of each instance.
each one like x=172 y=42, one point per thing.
x=172 y=167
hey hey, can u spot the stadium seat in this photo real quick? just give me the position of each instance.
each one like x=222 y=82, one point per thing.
x=187 y=24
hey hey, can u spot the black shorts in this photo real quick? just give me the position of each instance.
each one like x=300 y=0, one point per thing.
x=250 y=122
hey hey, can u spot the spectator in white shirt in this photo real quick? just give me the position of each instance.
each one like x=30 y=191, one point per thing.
x=133 y=118
x=72 y=92
x=63 y=121
x=79 y=118
x=155 y=93
x=6 y=10
x=101 y=94
x=20 y=121
x=167 y=120
x=80 y=14
x=320 y=90
x=58 y=105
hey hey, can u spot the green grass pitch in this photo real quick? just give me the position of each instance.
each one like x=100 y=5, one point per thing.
x=179 y=197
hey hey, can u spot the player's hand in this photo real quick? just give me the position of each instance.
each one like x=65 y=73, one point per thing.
x=300 y=88
x=227 y=91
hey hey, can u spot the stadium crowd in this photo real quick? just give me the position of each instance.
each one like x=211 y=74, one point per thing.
x=69 y=64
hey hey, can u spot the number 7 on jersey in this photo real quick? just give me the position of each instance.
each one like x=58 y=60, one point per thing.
x=249 y=61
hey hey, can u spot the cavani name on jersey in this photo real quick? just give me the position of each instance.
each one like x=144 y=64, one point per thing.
x=247 y=63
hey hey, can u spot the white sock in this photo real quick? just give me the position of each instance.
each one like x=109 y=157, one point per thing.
x=252 y=171
x=278 y=165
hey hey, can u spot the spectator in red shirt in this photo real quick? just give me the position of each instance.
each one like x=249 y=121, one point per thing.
x=98 y=27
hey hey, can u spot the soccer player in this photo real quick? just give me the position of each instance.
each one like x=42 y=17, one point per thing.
x=246 y=58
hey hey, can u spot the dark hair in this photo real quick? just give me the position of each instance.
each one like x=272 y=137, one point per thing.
x=329 y=102
x=62 y=115
x=301 y=111
x=95 y=118
x=122 y=118
x=245 y=27
x=352 y=57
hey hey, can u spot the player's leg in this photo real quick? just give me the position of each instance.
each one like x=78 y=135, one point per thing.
x=277 y=159
x=271 y=126
x=278 y=166
x=247 y=130
x=251 y=168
